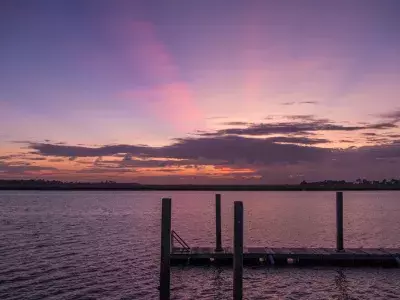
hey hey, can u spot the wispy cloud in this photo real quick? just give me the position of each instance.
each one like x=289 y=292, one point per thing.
x=169 y=97
x=236 y=123
x=393 y=115
x=216 y=118
x=300 y=124
x=20 y=168
x=299 y=102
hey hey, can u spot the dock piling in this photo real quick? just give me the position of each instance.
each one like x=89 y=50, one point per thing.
x=165 y=267
x=339 y=221
x=218 y=242
x=238 y=251
x=273 y=256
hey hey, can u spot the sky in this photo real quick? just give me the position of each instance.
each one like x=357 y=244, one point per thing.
x=208 y=92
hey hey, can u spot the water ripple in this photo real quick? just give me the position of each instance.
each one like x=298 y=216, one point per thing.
x=106 y=245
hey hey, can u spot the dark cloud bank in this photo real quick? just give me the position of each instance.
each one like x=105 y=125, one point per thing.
x=294 y=155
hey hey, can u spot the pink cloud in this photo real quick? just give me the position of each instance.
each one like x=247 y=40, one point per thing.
x=152 y=52
x=253 y=73
x=172 y=103
x=171 y=99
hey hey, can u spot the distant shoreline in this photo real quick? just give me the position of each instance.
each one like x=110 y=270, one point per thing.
x=247 y=188
x=326 y=185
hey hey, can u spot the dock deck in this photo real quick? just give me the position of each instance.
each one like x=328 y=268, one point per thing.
x=253 y=256
x=239 y=255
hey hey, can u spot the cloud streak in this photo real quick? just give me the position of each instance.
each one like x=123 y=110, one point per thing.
x=300 y=124
x=169 y=97
x=19 y=168
x=298 y=103
x=393 y=116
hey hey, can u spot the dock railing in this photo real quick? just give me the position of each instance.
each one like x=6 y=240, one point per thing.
x=175 y=237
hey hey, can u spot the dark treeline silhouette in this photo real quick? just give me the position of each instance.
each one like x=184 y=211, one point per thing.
x=326 y=185
x=358 y=182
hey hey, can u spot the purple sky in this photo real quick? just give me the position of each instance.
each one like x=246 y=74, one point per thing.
x=181 y=91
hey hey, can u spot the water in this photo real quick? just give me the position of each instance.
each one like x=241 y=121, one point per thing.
x=105 y=245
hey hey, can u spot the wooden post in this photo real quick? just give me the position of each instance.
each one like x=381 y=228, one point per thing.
x=165 y=269
x=218 y=242
x=238 y=251
x=339 y=221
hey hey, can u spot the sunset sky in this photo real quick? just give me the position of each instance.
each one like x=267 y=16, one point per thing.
x=187 y=91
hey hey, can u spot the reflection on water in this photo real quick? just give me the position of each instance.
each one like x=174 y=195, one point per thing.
x=342 y=285
x=80 y=245
x=218 y=283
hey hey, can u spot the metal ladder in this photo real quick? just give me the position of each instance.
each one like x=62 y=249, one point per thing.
x=175 y=237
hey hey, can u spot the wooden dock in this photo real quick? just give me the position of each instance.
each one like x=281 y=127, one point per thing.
x=254 y=256
x=239 y=255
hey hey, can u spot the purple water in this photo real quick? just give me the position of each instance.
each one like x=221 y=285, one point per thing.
x=105 y=245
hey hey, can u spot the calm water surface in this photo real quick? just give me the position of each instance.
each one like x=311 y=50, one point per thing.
x=105 y=245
